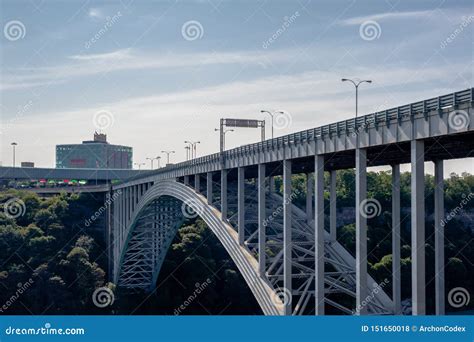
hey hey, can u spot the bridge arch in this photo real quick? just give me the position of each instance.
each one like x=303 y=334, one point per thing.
x=245 y=262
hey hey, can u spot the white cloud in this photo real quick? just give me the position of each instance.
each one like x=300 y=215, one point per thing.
x=95 y=13
x=389 y=16
x=128 y=59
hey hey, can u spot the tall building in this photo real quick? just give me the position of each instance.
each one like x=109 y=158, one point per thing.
x=93 y=154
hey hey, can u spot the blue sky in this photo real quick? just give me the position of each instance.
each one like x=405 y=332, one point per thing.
x=75 y=60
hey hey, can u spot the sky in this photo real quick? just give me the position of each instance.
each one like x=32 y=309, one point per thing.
x=152 y=74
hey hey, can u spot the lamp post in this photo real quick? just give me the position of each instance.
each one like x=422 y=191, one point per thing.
x=225 y=131
x=158 y=160
x=14 y=145
x=139 y=165
x=187 y=148
x=271 y=116
x=192 y=148
x=356 y=84
x=151 y=161
x=168 y=155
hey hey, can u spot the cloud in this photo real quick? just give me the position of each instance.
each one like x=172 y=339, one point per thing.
x=95 y=13
x=128 y=59
x=388 y=16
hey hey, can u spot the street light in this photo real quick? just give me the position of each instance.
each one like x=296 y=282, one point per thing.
x=192 y=146
x=187 y=148
x=223 y=135
x=139 y=165
x=356 y=84
x=168 y=155
x=152 y=159
x=271 y=115
x=14 y=144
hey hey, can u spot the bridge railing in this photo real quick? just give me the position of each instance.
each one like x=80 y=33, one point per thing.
x=346 y=126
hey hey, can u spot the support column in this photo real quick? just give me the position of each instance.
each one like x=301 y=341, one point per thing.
x=418 y=227
x=319 y=234
x=271 y=184
x=287 y=238
x=224 y=194
x=332 y=206
x=396 y=266
x=130 y=203
x=186 y=180
x=241 y=204
x=439 y=237
x=309 y=198
x=361 y=231
x=209 y=188
x=197 y=182
x=262 y=236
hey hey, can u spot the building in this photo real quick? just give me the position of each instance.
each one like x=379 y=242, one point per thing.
x=27 y=164
x=94 y=154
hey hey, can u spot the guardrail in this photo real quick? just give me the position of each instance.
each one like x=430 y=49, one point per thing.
x=350 y=125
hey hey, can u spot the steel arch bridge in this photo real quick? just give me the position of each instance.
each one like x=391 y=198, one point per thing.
x=290 y=262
